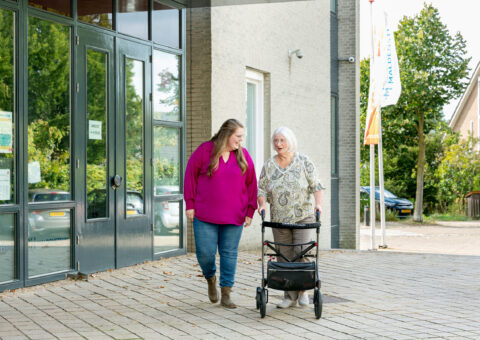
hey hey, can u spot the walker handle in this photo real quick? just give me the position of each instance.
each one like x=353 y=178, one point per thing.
x=317 y=215
x=262 y=212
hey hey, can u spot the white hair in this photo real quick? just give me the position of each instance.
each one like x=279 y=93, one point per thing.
x=289 y=136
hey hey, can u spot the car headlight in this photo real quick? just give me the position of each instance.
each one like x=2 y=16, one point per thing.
x=389 y=204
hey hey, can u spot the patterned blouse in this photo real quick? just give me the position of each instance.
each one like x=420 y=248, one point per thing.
x=289 y=191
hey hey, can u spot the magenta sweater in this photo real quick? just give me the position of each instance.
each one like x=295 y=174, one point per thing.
x=227 y=196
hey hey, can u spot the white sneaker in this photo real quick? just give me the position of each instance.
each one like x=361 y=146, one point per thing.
x=303 y=299
x=286 y=303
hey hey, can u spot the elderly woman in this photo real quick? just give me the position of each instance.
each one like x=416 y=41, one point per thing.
x=287 y=182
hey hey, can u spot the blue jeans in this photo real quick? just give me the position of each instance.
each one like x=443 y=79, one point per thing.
x=209 y=236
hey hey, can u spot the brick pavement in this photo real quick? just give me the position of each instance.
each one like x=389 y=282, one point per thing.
x=369 y=295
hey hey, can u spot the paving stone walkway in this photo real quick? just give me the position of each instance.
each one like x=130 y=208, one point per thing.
x=368 y=295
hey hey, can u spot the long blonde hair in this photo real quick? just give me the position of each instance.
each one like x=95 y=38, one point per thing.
x=220 y=140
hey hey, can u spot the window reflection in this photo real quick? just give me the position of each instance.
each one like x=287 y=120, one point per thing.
x=7 y=247
x=48 y=241
x=165 y=25
x=166 y=86
x=166 y=223
x=166 y=160
x=134 y=70
x=97 y=206
x=96 y=12
x=56 y=6
x=48 y=105
x=132 y=18
x=7 y=107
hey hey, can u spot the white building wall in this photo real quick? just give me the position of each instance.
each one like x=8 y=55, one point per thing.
x=297 y=91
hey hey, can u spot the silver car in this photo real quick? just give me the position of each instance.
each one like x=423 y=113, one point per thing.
x=51 y=224
x=166 y=214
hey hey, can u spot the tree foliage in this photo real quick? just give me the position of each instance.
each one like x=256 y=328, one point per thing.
x=459 y=171
x=433 y=69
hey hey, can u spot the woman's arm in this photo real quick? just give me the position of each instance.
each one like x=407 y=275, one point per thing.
x=318 y=200
x=262 y=200
x=191 y=178
x=251 y=183
x=262 y=187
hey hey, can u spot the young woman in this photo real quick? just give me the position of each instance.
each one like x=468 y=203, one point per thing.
x=220 y=194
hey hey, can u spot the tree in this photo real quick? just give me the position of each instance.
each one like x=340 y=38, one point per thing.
x=433 y=70
x=459 y=172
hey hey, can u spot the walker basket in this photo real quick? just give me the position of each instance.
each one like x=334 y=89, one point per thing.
x=288 y=276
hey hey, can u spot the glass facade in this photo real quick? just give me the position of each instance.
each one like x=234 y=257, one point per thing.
x=7 y=247
x=97 y=94
x=166 y=224
x=78 y=113
x=54 y=6
x=165 y=21
x=48 y=108
x=132 y=18
x=95 y=12
x=166 y=178
x=49 y=249
x=166 y=86
x=166 y=159
x=134 y=102
x=7 y=107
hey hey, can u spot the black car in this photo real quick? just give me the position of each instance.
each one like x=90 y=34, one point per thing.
x=401 y=206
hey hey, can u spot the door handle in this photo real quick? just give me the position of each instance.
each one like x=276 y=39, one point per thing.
x=116 y=181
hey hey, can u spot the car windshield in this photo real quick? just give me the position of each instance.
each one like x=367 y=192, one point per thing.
x=54 y=196
x=387 y=193
x=134 y=199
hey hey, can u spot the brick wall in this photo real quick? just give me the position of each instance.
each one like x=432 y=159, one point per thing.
x=349 y=123
x=198 y=87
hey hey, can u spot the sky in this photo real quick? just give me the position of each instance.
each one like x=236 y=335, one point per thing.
x=458 y=15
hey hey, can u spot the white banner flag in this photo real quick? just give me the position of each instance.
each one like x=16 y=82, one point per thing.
x=392 y=87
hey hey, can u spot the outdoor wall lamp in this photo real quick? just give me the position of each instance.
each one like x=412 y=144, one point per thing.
x=297 y=52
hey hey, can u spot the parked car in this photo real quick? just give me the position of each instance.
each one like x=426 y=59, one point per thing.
x=97 y=200
x=401 y=206
x=166 y=213
x=134 y=203
x=50 y=224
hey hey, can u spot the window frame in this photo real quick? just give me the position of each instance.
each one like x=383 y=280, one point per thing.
x=258 y=154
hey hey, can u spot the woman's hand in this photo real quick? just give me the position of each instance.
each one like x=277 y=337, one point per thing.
x=248 y=221
x=318 y=202
x=190 y=214
x=261 y=204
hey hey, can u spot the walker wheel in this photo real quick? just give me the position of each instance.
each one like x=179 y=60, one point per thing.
x=258 y=297
x=263 y=302
x=318 y=303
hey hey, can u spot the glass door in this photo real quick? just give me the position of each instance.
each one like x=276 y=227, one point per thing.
x=133 y=142
x=95 y=165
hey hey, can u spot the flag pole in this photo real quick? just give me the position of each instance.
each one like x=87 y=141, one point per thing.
x=383 y=245
x=372 y=194
x=372 y=151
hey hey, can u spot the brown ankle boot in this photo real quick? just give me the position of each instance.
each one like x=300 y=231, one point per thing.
x=226 y=302
x=212 y=289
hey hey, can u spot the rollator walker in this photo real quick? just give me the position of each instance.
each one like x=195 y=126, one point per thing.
x=290 y=275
